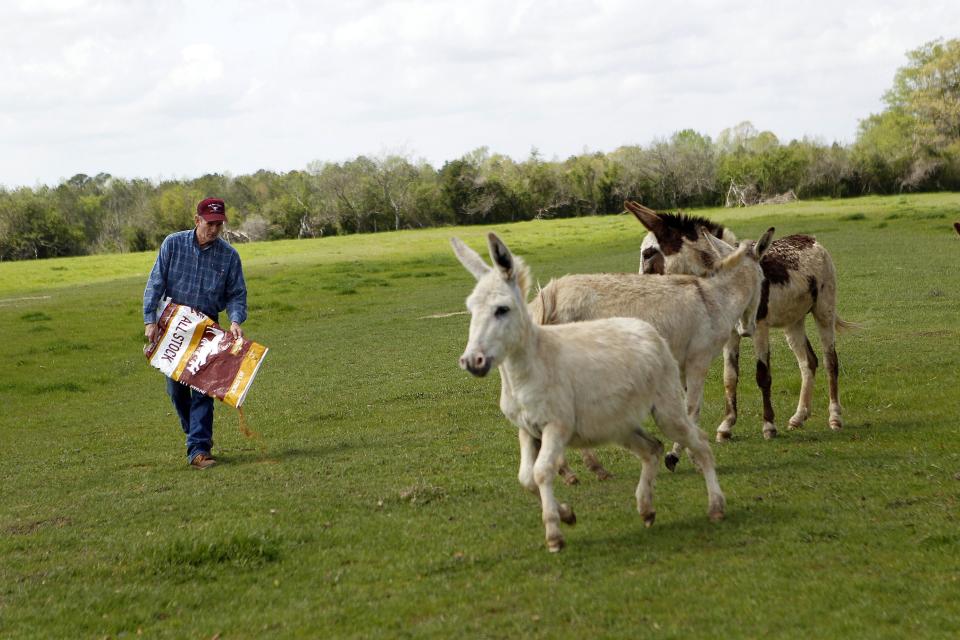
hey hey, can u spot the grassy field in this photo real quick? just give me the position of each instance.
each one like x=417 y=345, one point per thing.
x=381 y=499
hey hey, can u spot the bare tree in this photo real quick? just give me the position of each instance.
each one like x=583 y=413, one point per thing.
x=395 y=176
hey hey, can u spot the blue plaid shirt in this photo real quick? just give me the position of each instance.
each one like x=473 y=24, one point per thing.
x=209 y=279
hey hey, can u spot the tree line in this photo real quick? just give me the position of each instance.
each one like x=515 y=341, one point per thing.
x=912 y=145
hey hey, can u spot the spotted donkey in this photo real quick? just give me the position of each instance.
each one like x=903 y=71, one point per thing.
x=799 y=279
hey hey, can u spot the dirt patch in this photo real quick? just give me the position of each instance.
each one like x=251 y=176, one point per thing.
x=444 y=315
x=934 y=334
x=27 y=528
x=13 y=300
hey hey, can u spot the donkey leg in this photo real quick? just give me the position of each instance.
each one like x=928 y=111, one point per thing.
x=679 y=428
x=566 y=472
x=592 y=463
x=828 y=342
x=761 y=344
x=649 y=450
x=544 y=472
x=807 y=361
x=672 y=459
x=529 y=448
x=731 y=374
x=699 y=448
x=696 y=374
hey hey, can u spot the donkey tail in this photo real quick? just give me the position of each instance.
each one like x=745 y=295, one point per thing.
x=843 y=326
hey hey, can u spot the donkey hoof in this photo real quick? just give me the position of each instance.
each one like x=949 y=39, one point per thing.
x=648 y=519
x=570 y=479
x=567 y=515
x=602 y=474
x=836 y=423
x=794 y=423
x=769 y=433
x=723 y=436
x=671 y=460
x=716 y=515
x=555 y=545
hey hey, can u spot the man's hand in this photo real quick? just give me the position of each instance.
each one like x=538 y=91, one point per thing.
x=236 y=330
x=150 y=331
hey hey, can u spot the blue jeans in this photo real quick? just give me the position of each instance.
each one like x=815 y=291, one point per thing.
x=196 y=417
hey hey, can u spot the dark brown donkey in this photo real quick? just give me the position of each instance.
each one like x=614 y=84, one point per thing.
x=799 y=279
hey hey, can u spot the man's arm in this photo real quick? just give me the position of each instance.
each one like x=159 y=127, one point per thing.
x=236 y=297
x=156 y=287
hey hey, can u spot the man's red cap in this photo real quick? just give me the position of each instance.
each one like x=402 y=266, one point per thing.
x=212 y=210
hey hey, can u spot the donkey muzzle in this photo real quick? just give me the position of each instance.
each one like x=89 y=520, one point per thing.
x=475 y=363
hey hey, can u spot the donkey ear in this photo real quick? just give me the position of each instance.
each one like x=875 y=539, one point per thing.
x=734 y=258
x=720 y=247
x=647 y=217
x=501 y=256
x=469 y=259
x=763 y=243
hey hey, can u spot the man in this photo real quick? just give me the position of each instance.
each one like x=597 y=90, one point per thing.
x=197 y=268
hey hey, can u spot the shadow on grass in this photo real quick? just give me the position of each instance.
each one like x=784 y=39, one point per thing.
x=759 y=465
x=670 y=535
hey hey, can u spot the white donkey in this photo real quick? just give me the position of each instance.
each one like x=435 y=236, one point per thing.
x=579 y=384
x=799 y=279
x=694 y=315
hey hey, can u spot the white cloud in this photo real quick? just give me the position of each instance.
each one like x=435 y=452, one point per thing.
x=136 y=88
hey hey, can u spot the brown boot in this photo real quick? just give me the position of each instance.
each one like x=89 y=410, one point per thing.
x=202 y=461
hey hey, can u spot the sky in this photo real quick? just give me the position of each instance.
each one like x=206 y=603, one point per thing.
x=177 y=89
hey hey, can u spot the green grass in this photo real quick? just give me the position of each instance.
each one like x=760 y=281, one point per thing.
x=381 y=498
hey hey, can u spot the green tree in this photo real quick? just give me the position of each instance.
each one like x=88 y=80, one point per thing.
x=429 y=205
x=915 y=142
x=174 y=208
x=636 y=176
x=288 y=209
x=828 y=170
x=458 y=182
x=544 y=193
x=883 y=153
x=927 y=90
x=31 y=227
x=347 y=192
x=685 y=169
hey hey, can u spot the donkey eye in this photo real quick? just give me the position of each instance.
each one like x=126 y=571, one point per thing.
x=501 y=311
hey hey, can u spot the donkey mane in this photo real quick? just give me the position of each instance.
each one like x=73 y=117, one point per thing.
x=523 y=277
x=686 y=225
